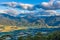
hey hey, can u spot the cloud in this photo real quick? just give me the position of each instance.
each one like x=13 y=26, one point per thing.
x=2 y=11
x=11 y=4
x=14 y=12
x=25 y=6
x=51 y=11
x=17 y=5
x=13 y=8
x=51 y=5
x=11 y=12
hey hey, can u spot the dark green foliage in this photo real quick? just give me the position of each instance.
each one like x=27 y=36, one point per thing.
x=1 y=39
x=40 y=36
x=5 y=36
x=29 y=37
x=21 y=38
x=37 y=36
x=54 y=36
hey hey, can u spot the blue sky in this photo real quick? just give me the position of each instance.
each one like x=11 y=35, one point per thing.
x=50 y=6
x=26 y=1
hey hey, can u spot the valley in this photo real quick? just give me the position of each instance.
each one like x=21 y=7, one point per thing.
x=6 y=28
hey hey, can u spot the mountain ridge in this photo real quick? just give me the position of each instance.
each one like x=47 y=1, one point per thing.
x=29 y=20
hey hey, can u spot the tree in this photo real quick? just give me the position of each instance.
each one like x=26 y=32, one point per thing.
x=39 y=36
x=29 y=37
x=54 y=36
x=1 y=38
x=6 y=37
x=21 y=38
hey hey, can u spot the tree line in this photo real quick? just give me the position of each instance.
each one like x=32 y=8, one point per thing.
x=38 y=36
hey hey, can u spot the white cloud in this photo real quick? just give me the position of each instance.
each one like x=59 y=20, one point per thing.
x=15 y=12
x=45 y=4
x=48 y=5
x=14 y=4
x=11 y=4
x=11 y=12
x=51 y=5
x=25 y=6
x=2 y=11
x=51 y=11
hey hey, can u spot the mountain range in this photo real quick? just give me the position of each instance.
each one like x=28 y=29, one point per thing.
x=29 y=20
x=19 y=14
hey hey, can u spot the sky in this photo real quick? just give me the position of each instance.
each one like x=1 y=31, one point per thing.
x=52 y=7
x=26 y=1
